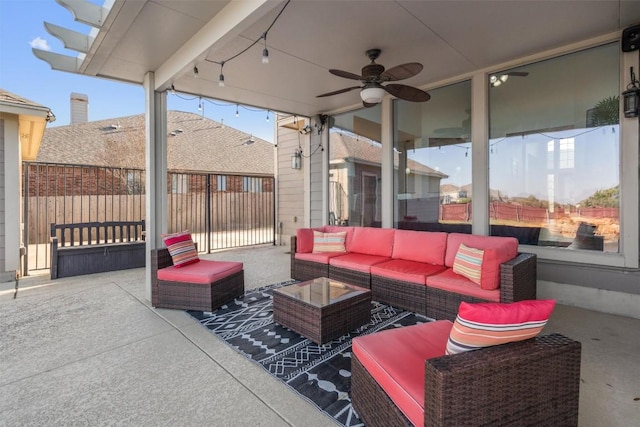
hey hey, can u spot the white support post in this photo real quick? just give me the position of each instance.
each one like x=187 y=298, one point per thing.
x=386 y=192
x=480 y=154
x=156 y=171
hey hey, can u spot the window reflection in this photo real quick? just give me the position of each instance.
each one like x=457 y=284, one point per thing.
x=555 y=152
x=432 y=164
x=355 y=156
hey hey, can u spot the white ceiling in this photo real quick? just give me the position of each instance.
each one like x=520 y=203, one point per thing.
x=450 y=38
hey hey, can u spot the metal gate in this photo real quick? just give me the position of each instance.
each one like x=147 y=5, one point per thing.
x=221 y=211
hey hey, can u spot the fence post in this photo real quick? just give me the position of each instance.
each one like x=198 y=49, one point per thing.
x=207 y=214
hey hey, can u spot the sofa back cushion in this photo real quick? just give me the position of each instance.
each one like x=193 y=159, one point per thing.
x=496 y=251
x=372 y=241
x=421 y=246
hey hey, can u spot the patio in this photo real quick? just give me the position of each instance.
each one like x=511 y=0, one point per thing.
x=89 y=350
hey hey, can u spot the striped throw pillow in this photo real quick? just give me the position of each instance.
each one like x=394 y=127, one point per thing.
x=329 y=242
x=487 y=324
x=468 y=263
x=181 y=248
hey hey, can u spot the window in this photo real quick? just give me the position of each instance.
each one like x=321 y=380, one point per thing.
x=179 y=183
x=432 y=161
x=221 y=183
x=251 y=184
x=355 y=157
x=555 y=152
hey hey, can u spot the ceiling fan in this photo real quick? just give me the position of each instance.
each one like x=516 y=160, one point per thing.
x=373 y=75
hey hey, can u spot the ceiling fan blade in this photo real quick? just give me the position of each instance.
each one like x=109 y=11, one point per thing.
x=335 y=92
x=408 y=93
x=401 y=72
x=345 y=74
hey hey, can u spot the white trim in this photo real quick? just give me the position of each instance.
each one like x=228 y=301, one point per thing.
x=602 y=300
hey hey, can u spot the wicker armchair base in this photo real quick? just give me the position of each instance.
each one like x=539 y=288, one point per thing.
x=533 y=382
x=191 y=296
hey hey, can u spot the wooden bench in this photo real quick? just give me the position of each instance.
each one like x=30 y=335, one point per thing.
x=95 y=247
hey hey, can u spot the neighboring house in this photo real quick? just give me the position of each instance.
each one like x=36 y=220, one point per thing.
x=354 y=179
x=195 y=144
x=22 y=123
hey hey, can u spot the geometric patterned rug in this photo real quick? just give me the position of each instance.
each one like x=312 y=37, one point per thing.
x=319 y=373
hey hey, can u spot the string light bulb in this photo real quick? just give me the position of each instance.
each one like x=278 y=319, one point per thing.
x=200 y=104
x=237 y=114
x=195 y=72
x=173 y=90
x=265 y=51
x=221 y=77
x=267 y=115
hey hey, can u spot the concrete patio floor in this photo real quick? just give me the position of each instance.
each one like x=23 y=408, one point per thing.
x=90 y=350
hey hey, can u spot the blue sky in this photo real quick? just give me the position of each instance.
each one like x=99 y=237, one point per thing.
x=21 y=27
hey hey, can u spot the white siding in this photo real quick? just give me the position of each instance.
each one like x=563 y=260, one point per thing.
x=290 y=184
x=2 y=198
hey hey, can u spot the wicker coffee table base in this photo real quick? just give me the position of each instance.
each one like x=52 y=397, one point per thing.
x=322 y=324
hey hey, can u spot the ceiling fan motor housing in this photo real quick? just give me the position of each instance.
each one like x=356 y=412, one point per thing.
x=372 y=71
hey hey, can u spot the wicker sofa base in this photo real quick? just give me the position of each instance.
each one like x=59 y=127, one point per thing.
x=534 y=382
x=308 y=270
x=351 y=277
x=406 y=295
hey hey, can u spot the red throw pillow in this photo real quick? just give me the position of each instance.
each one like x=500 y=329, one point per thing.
x=486 y=324
x=181 y=248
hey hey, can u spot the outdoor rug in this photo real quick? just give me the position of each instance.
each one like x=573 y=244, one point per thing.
x=319 y=373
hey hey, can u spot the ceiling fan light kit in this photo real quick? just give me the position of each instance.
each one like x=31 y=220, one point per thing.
x=372 y=95
x=373 y=75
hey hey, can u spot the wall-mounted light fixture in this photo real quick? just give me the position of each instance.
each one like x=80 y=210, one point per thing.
x=631 y=97
x=50 y=117
x=296 y=160
x=305 y=130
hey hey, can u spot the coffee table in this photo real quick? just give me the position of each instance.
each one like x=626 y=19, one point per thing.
x=322 y=309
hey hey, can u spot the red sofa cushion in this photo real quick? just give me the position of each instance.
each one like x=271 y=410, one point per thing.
x=406 y=271
x=320 y=257
x=452 y=282
x=497 y=250
x=204 y=272
x=372 y=241
x=421 y=246
x=395 y=359
x=357 y=262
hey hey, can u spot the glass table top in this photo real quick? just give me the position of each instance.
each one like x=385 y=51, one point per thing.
x=321 y=292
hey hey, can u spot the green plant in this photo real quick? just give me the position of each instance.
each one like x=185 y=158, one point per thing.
x=607 y=111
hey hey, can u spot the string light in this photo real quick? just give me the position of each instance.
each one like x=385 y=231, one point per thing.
x=221 y=77
x=237 y=114
x=173 y=90
x=265 y=51
x=200 y=104
x=267 y=115
x=195 y=72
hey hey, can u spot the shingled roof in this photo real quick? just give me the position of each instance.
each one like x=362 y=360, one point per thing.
x=195 y=143
x=9 y=98
x=362 y=150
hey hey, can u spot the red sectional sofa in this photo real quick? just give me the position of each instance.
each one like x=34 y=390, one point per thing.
x=414 y=269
